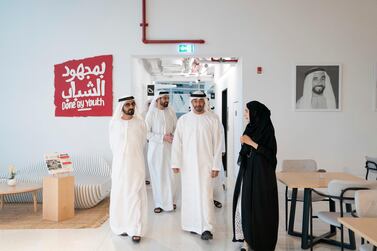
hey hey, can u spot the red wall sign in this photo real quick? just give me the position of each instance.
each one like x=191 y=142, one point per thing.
x=84 y=87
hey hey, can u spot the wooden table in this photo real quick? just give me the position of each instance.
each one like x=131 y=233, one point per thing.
x=308 y=181
x=365 y=227
x=19 y=188
x=313 y=179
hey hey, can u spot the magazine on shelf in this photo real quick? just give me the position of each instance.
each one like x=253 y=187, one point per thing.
x=58 y=163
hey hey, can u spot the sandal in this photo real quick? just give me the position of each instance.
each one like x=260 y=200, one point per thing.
x=245 y=246
x=136 y=238
x=124 y=234
x=206 y=235
x=174 y=206
x=158 y=210
x=217 y=204
x=147 y=182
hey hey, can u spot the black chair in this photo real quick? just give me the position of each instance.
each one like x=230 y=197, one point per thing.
x=370 y=165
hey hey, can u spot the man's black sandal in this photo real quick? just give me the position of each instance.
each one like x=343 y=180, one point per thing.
x=217 y=204
x=158 y=210
x=136 y=239
x=206 y=235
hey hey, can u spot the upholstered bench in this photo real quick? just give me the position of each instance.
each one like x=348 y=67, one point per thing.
x=90 y=190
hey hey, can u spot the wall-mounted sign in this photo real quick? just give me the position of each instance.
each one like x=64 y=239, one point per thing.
x=186 y=48
x=150 y=90
x=84 y=87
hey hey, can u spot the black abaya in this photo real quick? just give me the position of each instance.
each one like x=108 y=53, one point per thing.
x=256 y=182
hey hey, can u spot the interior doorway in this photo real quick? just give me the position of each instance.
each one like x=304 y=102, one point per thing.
x=224 y=120
x=219 y=77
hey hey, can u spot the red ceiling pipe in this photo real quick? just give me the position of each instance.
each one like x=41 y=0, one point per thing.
x=144 y=25
x=221 y=60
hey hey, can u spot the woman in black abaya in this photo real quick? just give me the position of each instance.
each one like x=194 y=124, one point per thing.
x=255 y=200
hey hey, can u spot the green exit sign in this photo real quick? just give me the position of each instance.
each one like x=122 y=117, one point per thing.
x=186 y=48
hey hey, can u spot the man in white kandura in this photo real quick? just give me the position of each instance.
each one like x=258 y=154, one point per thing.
x=196 y=153
x=219 y=181
x=317 y=92
x=128 y=198
x=161 y=121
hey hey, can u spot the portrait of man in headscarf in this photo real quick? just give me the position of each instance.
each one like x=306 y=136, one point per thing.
x=317 y=87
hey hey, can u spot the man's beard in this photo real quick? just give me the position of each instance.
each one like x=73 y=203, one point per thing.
x=129 y=112
x=318 y=89
x=199 y=109
x=164 y=104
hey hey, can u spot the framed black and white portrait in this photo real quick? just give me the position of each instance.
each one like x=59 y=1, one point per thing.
x=317 y=87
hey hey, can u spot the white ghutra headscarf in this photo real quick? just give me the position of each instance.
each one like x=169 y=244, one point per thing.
x=154 y=106
x=305 y=102
x=199 y=95
x=119 y=109
x=117 y=117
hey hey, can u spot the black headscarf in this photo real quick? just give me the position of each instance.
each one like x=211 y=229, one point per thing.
x=260 y=122
x=259 y=128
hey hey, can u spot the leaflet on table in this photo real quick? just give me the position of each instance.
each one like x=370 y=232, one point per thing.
x=58 y=163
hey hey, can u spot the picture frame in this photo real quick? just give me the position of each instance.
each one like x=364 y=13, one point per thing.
x=317 y=87
x=375 y=89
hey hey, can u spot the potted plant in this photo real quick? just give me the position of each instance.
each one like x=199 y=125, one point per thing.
x=12 y=175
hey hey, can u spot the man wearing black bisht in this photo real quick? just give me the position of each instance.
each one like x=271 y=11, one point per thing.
x=255 y=200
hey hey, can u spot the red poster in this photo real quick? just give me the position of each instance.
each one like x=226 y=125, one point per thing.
x=84 y=87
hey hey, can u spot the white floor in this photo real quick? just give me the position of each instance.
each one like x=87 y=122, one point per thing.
x=164 y=234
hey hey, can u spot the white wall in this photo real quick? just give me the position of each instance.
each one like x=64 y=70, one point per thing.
x=274 y=34
x=229 y=76
x=140 y=79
